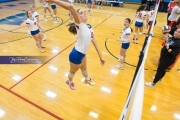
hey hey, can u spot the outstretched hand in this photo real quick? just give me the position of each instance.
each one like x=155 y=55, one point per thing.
x=102 y=61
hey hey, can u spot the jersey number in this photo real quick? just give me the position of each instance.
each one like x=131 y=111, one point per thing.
x=34 y=23
x=152 y=13
x=140 y=15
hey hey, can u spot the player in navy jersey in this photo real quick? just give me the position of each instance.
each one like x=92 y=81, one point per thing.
x=85 y=35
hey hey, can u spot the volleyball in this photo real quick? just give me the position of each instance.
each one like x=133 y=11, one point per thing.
x=166 y=29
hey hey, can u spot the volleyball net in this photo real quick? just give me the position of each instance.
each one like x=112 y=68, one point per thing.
x=133 y=107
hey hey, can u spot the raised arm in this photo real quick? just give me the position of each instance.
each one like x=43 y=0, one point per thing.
x=98 y=51
x=69 y=7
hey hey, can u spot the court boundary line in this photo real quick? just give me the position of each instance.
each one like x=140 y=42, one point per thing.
x=11 y=31
x=62 y=23
x=117 y=57
x=103 y=21
x=32 y=103
x=51 y=58
x=41 y=66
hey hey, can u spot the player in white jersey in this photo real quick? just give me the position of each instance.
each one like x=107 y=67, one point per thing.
x=33 y=30
x=85 y=36
x=150 y=17
x=53 y=6
x=125 y=40
x=46 y=7
x=140 y=16
x=36 y=15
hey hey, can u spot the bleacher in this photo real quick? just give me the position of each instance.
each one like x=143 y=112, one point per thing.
x=1 y=1
x=118 y=3
x=114 y=3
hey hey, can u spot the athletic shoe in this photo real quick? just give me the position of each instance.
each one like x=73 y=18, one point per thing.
x=55 y=22
x=145 y=32
x=158 y=81
x=42 y=46
x=90 y=82
x=150 y=84
x=41 y=50
x=89 y=13
x=71 y=84
x=133 y=40
x=136 y=41
x=120 y=67
x=45 y=20
x=44 y=38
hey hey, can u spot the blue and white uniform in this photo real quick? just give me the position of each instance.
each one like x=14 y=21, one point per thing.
x=71 y=2
x=45 y=5
x=85 y=34
x=53 y=6
x=32 y=22
x=35 y=15
x=125 y=37
x=89 y=2
x=139 y=18
x=150 y=14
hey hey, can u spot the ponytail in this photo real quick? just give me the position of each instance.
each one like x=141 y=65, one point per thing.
x=72 y=28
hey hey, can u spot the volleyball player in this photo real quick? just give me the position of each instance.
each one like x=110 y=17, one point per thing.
x=53 y=6
x=36 y=15
x=85 y=35
x=125 y=39
x=33 y=30
x=150 y=17
x=140 y=16
x=46 y=7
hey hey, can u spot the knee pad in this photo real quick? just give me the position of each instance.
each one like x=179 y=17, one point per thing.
x=121 y=57
x=134 y=33
x=84 y=73
x=140 y=33
x=70 y=75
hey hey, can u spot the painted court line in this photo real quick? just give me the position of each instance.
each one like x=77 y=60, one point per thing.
x=33 y=104
x=54 y=57
x=41 y=66
x=103 y=21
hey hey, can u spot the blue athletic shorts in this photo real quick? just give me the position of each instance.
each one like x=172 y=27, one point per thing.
x=89 y=1
x=138 y=24
x=125 y=45
x=53 y=7
x=76 y=57
x=151 y=21
x=35 y=32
